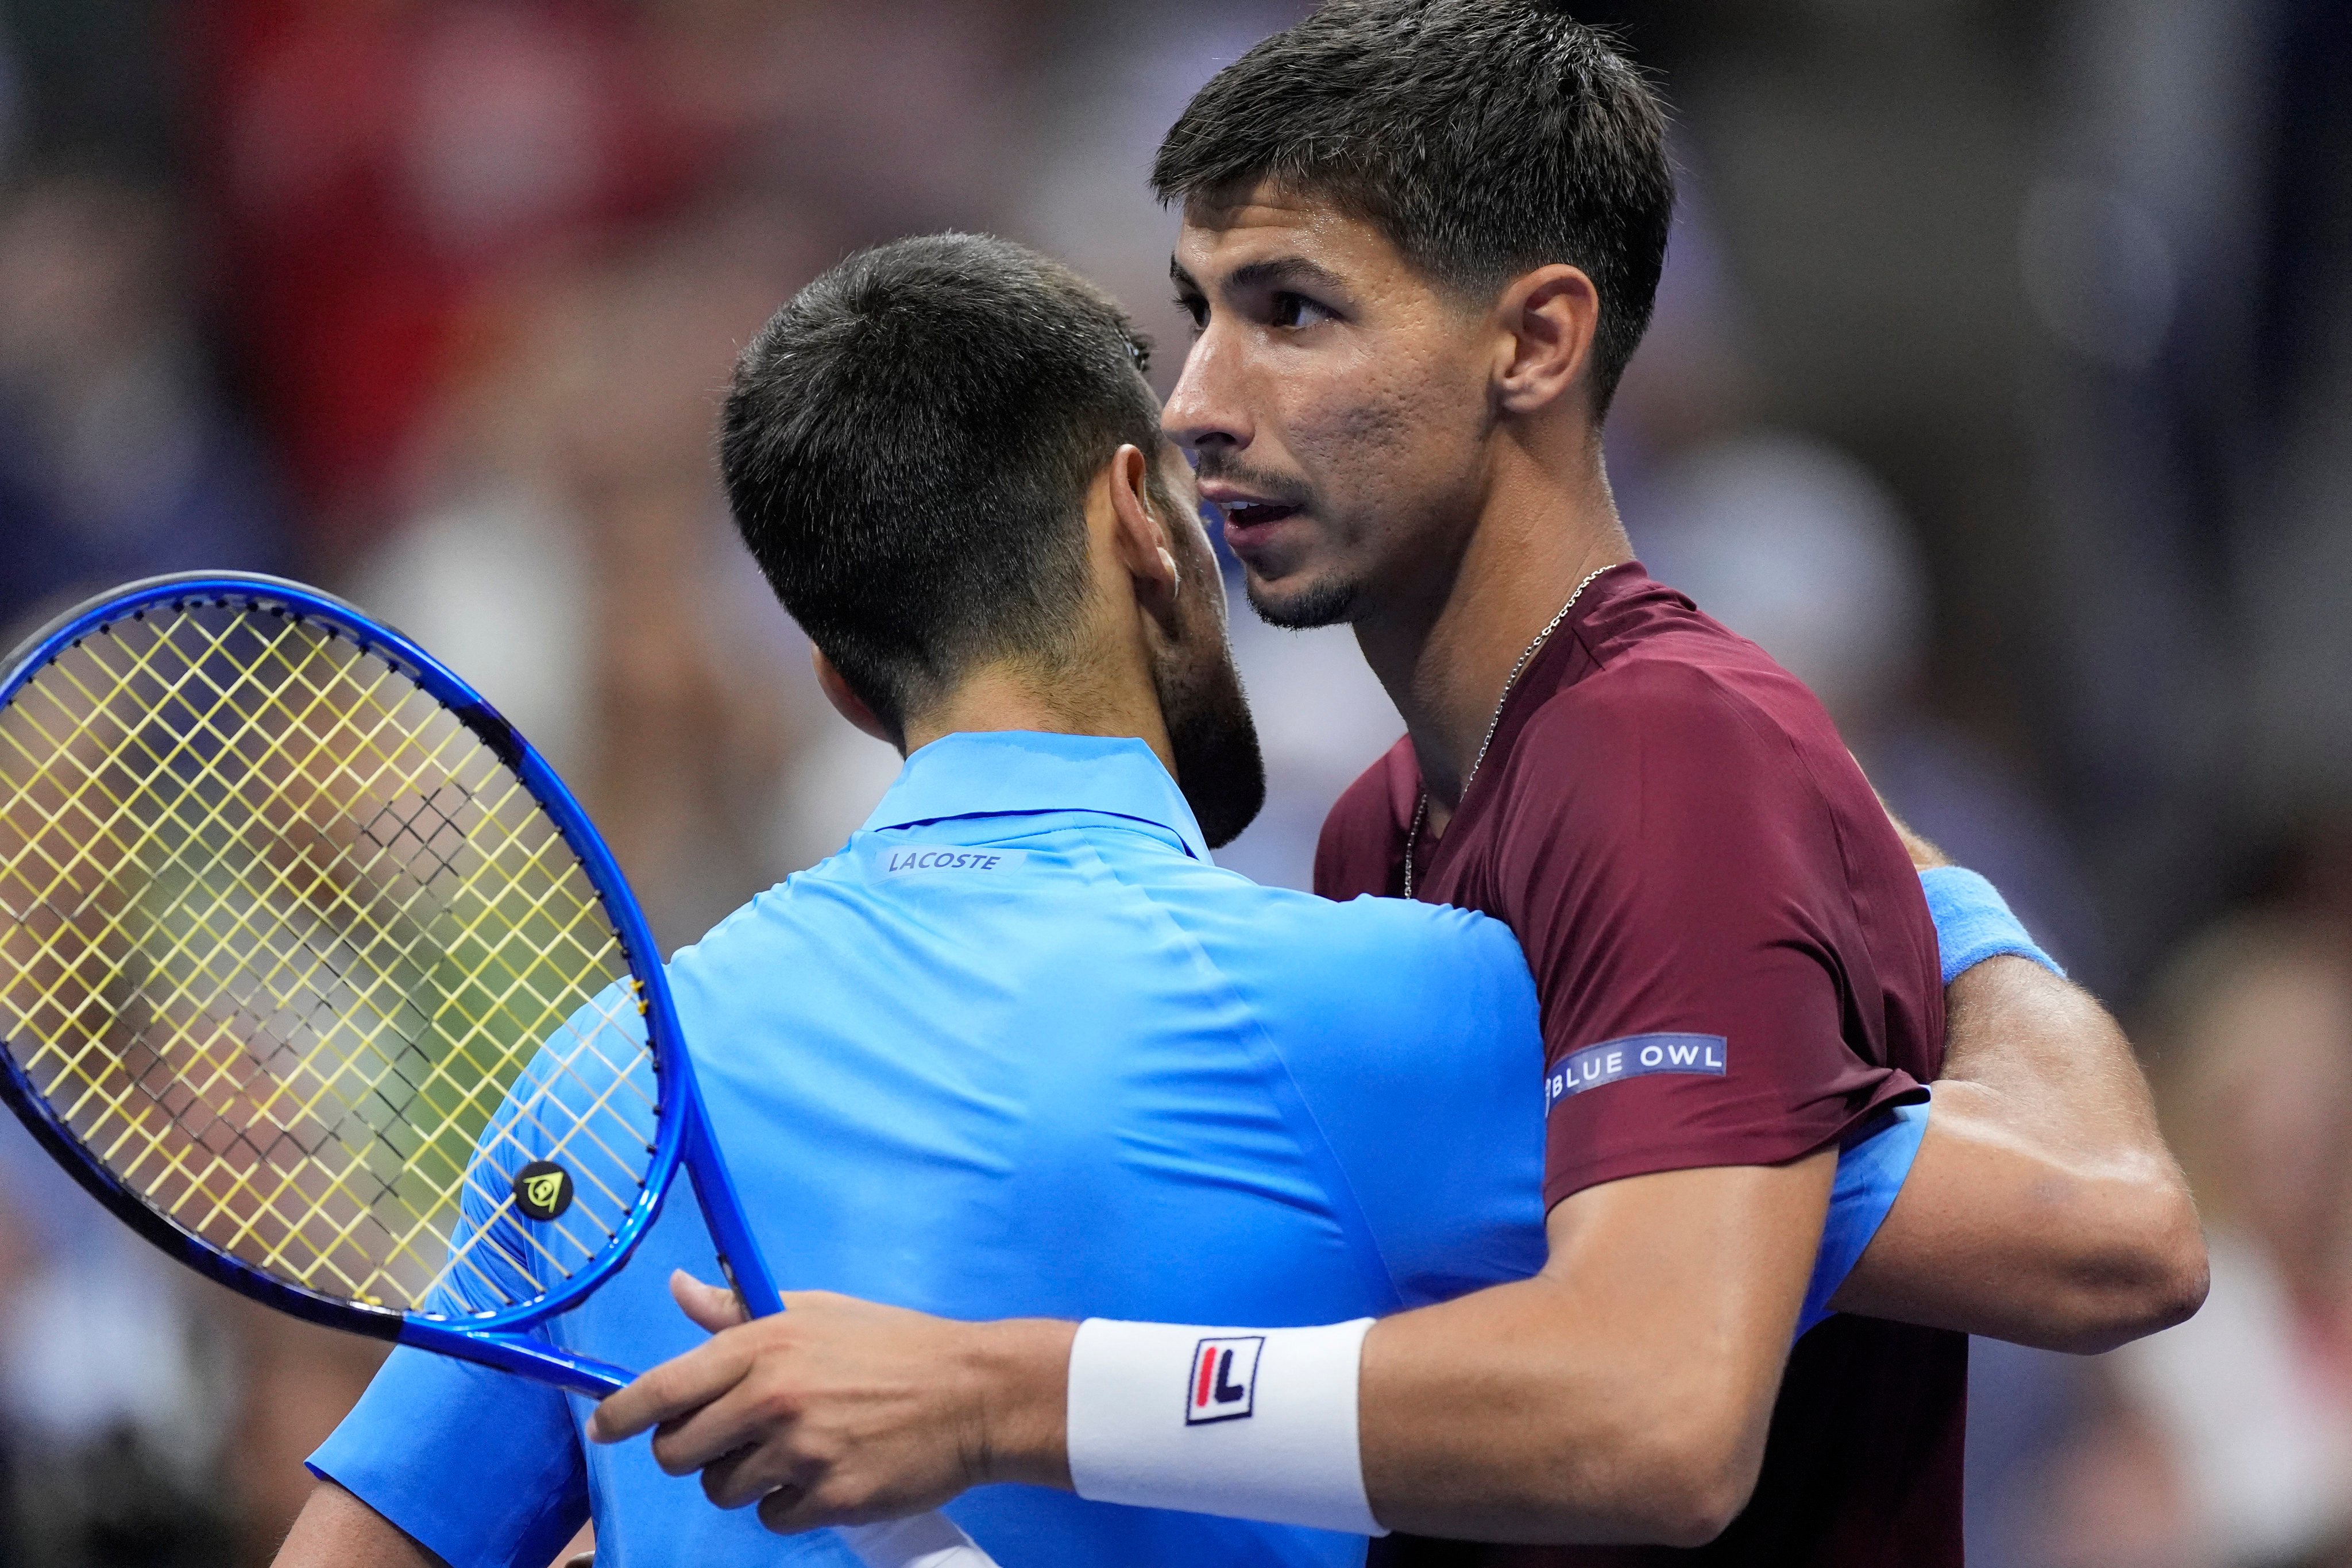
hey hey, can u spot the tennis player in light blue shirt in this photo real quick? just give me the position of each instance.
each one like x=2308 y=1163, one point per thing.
x=1021 y=1049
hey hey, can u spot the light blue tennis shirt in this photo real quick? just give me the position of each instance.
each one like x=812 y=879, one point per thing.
x=1021 y=1049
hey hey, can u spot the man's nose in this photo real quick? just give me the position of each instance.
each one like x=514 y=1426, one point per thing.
x=1207 y=409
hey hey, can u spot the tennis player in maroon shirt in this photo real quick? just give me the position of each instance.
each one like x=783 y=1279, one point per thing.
x=1736 y=968
x=1419 y=241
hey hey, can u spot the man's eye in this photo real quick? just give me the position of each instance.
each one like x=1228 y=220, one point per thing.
x=1298 y=311
x=1194 y=307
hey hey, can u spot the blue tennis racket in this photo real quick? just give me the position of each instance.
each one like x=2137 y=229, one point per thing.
x=314 y=972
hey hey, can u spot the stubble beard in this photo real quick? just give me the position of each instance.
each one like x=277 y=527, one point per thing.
x=1214 y=738
x=1327 y=603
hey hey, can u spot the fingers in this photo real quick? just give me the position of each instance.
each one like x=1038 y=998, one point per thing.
x=786 y=1512
x=678 y=1386
x=754 y=1474
x=796 y=1508
x=712 y=1307
x=834 y=1412
x=671 y=1390
x=719 y=1430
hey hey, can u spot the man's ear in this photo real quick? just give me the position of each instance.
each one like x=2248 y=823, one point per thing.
x=1144 y=545
x=845 y=702
x=1552 y=315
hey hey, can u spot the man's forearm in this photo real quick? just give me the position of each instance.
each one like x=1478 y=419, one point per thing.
x=1482 y=1419
x=1601 y=1401
x=2045 y=1044
x=1528 y=1444
x=2044 y=1206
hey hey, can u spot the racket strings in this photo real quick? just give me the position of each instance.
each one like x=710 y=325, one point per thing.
x=199 y=835
x=388 y=844
x=283 y=936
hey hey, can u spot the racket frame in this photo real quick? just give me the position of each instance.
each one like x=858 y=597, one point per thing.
x=682 y=1128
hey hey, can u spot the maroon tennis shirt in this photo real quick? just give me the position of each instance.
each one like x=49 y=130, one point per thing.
x=1736 y=966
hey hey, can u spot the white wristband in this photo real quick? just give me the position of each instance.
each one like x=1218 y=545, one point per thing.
x=1247 y=1422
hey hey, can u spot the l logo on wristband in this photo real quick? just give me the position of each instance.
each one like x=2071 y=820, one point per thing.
x=1223 y=1384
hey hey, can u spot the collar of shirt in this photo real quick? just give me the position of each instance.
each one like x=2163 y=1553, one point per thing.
x=1007 y=773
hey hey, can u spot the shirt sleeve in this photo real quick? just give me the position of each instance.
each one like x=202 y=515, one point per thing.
x=1680 y=888
x=1873 y=1163
x=479 y=1466
x=482 y=1467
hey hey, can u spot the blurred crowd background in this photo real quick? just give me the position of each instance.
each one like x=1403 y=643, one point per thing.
x=2002 y=385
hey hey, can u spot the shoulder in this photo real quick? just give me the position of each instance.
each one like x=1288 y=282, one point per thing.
x=1692 y=714
x=1387 y=965
x=1407 y=931
x=751 y=926
x=1362 y=835
x=1695 y=681
x=1686 y=762
x=803 y=925
x=809 y=903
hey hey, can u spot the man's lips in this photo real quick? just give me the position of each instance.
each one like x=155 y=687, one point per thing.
x=1249 y=519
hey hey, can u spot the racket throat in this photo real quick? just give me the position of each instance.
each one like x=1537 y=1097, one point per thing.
x=522 y=1356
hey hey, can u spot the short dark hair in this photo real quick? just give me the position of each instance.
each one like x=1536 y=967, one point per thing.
x=1485 y=138
x=906 y=448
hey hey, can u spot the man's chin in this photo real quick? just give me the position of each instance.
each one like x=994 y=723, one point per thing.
x=1299 y=603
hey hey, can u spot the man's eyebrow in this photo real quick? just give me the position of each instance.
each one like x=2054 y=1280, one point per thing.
x=1272 y=273
x=1275 y=271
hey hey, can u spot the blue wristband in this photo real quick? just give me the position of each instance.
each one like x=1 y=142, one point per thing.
x=1973 y=923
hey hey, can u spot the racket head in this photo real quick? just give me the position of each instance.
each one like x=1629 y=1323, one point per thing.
x=474 y=731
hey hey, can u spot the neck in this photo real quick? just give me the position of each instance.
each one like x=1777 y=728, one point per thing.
x=1445 y=651
x=1013 y=697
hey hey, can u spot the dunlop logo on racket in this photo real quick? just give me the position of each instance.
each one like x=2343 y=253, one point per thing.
x=543 y=1190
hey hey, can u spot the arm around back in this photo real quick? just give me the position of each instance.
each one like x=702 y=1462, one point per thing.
x=1623 y=1395
x=2044 y=1208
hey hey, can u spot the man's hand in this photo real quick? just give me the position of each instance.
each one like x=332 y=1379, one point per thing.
x=842 y=1412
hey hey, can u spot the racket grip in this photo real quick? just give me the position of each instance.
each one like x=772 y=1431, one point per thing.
x=926 y=1541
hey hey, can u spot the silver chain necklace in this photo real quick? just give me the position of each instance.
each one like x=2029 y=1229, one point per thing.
x=1421 y=808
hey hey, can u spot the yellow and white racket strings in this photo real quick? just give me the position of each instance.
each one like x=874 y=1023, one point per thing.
x=279 y=936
